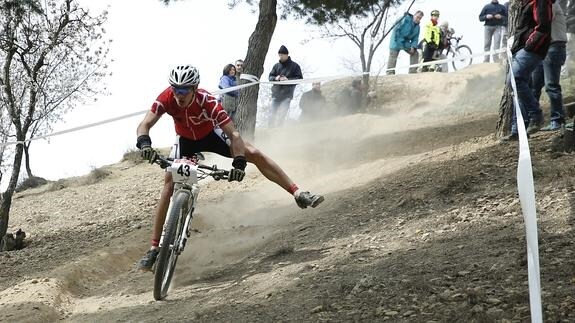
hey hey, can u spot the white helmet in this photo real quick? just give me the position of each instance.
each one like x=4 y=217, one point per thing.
x=184 y=75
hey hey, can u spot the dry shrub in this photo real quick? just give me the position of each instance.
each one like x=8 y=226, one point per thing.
x=95 y=176
x=133 y=156
x=30 y=182
x=58 y=185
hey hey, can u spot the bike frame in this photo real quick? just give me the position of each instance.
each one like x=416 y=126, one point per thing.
x=192 y=191
x=186 y=174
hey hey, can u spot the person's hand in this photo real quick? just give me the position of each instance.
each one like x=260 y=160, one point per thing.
x=283 y=78
x=489 y=16
x=498 y=16
x=149 y=154
x=236 y=175
x=238 y=172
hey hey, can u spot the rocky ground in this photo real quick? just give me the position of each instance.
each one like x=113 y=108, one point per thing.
x=421 y=223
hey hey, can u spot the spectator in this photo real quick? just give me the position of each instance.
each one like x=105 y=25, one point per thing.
x=239 y=69
x=405 y=37
x=284 y=70
x=530 y=44
x=350 y=100
x=312 y=103
x=504 y=35
x=570 y=13
x=431 y=38
x=229 y=100
x=445 y=34
x=494 y=15
x=549 y=72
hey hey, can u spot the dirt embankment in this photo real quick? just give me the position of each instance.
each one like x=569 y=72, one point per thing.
x=421 y=223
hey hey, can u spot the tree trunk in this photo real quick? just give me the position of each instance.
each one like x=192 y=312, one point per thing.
x=27 y=158
x=254 y=64
x=506 y=106
x=505 y=112
x=6 y=200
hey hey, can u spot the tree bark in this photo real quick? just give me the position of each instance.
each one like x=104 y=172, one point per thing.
x=27 y=160
x=6 y=197
x=506 y=105
x=505 y=113
x=254 y=64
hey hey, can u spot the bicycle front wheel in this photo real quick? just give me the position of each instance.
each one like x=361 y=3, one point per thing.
x=463 y=57
x=169 y=250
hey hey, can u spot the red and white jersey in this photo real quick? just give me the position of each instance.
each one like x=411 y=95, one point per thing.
x=198 y=119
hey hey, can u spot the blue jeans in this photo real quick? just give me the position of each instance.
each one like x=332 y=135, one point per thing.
x=523 y=64
x=548 y=73
x=279 y=111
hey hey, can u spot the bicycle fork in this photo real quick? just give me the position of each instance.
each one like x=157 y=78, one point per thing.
x=186 y=232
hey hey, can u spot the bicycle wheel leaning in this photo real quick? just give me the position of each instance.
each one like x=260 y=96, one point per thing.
x=169 y=250
x=463 y=51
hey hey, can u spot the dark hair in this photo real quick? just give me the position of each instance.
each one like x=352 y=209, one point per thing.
x=228 y=68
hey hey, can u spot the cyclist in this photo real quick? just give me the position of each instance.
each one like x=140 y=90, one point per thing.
x=430 y=39
x=202 y=125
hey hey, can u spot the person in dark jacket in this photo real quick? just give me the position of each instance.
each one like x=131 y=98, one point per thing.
x=530 y=45
x=570 y=19
x=312 y=103
x=495 y=17
x=284 y=70
x=504 y=29
x=548 y=73
x=405 y=37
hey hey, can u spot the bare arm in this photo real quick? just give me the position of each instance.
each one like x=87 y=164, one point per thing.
x=237 y=146
x=149 y=121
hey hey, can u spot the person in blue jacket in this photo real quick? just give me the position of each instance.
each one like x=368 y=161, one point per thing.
x=230 y=99
x=405 y=37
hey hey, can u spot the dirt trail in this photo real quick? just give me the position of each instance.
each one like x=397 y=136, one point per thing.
x=420 y=223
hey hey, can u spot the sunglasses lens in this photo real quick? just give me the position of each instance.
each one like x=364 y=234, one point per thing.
x=181 y=90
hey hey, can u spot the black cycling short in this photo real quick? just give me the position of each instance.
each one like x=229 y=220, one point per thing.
x=216 y=142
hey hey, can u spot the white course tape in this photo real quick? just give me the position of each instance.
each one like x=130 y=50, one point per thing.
x=75 y=128
x=252 y=80
x=449 y=60
x=526 y=191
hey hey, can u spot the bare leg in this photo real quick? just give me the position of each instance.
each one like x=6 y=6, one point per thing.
x=162 y=208
x=269 y=168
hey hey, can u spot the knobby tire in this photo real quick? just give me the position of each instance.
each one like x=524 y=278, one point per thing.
x=462 y=50
x=166 y=262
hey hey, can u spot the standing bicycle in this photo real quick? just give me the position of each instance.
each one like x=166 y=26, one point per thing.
x=461 y=54
x=202 y=125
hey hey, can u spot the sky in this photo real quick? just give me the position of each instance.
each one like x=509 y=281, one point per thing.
x=150 y=38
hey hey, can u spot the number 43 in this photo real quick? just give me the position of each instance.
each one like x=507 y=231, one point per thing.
x=184 y=170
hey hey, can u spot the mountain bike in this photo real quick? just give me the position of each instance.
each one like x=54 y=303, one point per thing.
x=460 y=55
x=186 y=173
x=455 y=50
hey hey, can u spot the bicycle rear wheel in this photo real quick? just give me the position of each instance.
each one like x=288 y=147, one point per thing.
x=169 y=251
x=462 y=50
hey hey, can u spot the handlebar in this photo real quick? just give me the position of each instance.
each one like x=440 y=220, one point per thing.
x=212 y=171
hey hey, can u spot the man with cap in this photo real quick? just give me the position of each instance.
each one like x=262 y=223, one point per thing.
x=284 y=70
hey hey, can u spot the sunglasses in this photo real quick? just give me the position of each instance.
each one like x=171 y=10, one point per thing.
x=182 y=90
